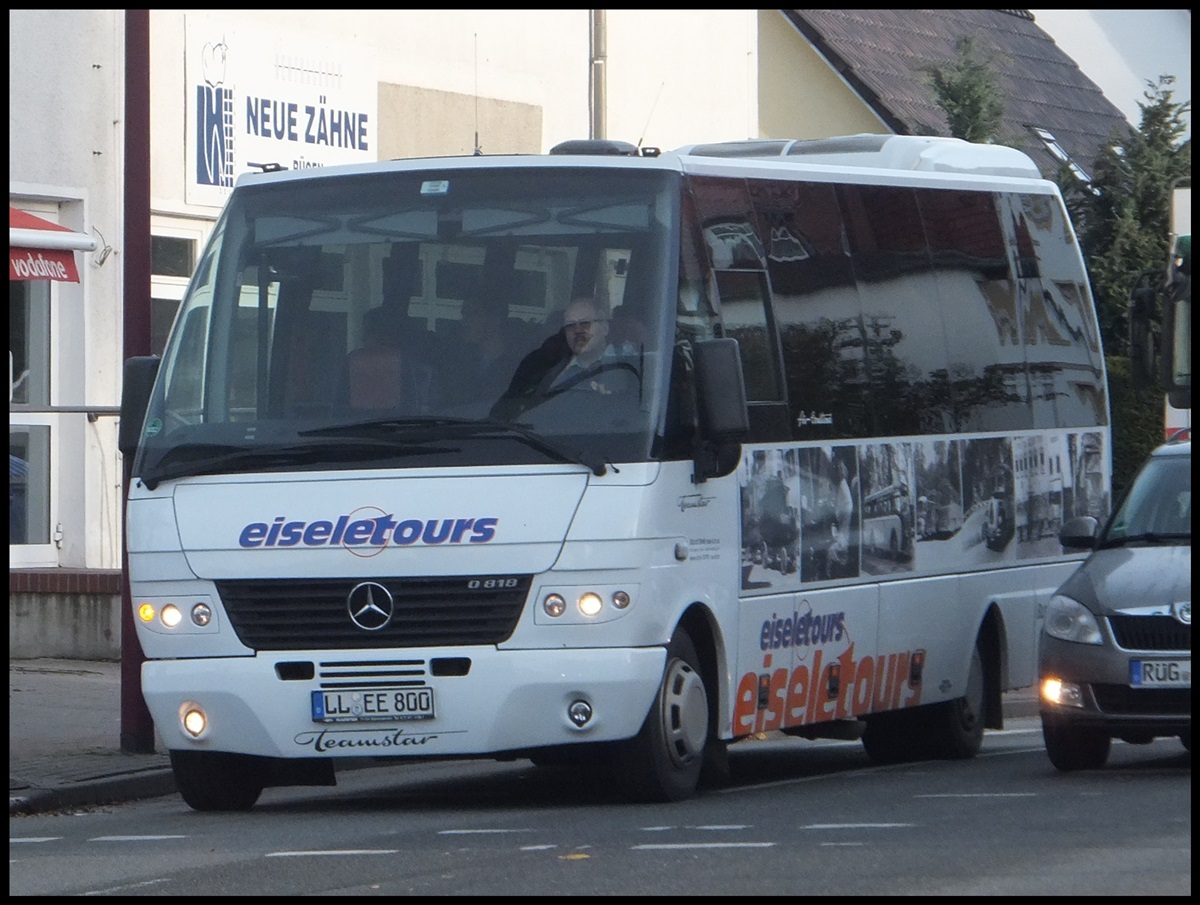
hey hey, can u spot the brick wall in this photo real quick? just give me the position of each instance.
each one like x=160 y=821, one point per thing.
x=72 y=614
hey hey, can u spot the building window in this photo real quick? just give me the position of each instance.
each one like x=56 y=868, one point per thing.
x=29 y=444
x=1052 y=145
x=172 y=261
x=172 y=257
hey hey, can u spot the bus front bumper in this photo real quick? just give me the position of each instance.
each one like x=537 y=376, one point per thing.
x=483 y=701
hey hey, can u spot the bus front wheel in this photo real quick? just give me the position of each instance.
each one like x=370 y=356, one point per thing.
x=218 y=780
x=663 y=761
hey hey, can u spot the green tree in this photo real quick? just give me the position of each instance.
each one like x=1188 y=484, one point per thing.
x=967 y=91
x=1123 y=217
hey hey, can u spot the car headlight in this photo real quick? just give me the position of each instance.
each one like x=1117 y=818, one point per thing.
x=1070 y=620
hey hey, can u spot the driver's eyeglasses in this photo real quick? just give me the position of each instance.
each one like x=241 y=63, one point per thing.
x=583 y=325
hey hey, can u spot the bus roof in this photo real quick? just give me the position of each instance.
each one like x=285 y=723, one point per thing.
x=863 y=158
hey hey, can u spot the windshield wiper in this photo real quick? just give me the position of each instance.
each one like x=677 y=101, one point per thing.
x=209 y=458
x=438 y=427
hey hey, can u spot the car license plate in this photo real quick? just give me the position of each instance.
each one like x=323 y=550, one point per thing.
x=1160 y=673
x=347 y=705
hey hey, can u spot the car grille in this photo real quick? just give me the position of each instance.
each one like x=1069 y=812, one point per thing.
x=1121 y=699
x=301 y=614
x=1162 y=633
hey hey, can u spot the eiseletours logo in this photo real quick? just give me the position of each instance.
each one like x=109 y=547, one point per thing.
x=367 y=531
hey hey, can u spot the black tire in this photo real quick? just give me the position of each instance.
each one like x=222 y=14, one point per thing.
x=1071 y=748
x=951 y=730
x=956 y=727
x=217 y=780
x=897 y=737
x=664 y=760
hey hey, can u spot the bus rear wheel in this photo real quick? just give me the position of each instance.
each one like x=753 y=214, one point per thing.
x=663 y=761
x=950 y=730
x=218 y=780
x=956 y=727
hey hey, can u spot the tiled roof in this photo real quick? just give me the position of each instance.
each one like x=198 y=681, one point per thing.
x=883 y=54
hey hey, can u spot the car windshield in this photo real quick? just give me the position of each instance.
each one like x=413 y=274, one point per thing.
x=1158 y=505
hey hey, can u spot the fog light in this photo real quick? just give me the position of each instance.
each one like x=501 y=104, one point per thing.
x=201 y=614
x=1063 y=694
x=554 y=605
x=171 y=616
x=146 y=612
x=580 y=713
x=194 y=719
x=590 y=603
x=620 y=600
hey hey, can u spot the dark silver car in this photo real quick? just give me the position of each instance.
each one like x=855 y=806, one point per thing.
x=1116 y=650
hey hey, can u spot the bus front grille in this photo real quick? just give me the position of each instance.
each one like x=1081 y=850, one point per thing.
x=315 y=614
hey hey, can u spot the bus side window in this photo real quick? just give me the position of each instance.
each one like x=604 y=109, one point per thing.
x=901 y=329
x=816 y=308
x=988 y=380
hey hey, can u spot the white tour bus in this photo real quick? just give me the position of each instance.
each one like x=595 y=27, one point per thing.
x=365 y=520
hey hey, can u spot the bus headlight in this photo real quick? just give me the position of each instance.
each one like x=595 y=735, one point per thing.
x=591 y=605
x=178 y=615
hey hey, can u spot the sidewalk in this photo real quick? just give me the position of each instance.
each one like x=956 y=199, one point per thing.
x=64 y=737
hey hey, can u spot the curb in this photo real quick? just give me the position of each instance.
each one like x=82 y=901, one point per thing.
x=150 y=784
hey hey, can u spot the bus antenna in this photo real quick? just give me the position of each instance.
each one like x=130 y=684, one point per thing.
x=652 y=109
x=478 y=150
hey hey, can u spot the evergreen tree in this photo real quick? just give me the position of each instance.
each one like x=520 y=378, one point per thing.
x=1123 y=217
x=968 y=93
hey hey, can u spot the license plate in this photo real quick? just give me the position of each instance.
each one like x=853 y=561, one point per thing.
x=349 y=705
x=1160 y=673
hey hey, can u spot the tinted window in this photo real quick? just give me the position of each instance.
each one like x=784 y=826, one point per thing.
x=904 y=339
x=1062 y=347
x=989 y=387
x=816 y=309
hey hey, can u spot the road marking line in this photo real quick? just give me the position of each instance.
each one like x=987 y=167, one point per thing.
x=346 y=851
x=857 y=826
x=687 y=845
x=979 y=795
x=132 y=838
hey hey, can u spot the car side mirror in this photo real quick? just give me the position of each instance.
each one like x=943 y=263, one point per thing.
x=1079 y=533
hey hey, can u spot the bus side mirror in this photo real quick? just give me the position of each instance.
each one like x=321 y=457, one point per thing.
x=721 y=390
x=137 y=384
x=721 y=400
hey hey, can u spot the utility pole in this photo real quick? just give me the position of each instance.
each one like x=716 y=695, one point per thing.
x=597 y=82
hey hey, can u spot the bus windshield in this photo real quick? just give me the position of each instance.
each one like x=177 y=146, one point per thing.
x=501 y=315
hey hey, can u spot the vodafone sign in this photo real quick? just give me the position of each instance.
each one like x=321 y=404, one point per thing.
x=38 y=264
x=41 y=250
